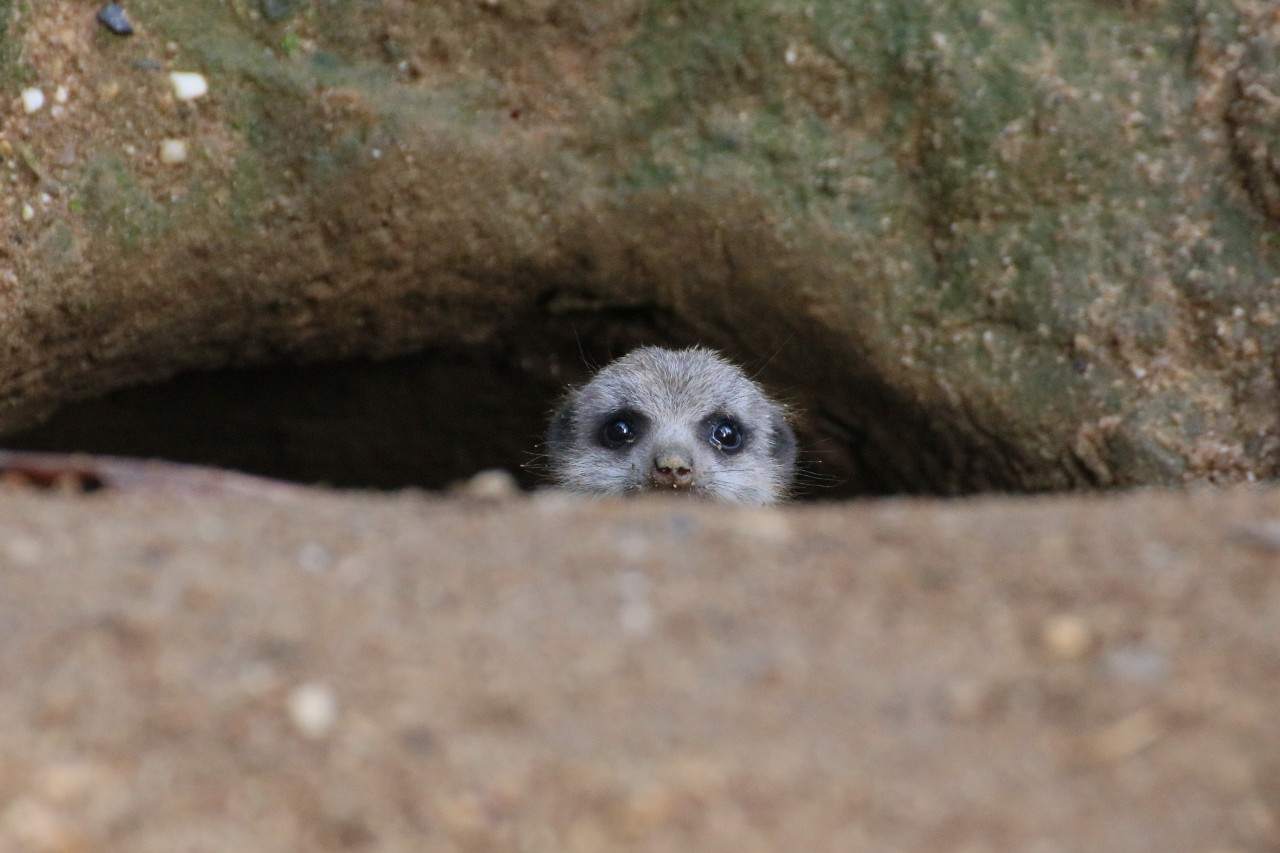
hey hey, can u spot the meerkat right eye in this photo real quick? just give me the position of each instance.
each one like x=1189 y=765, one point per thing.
x=618 y=431
x=726 y=435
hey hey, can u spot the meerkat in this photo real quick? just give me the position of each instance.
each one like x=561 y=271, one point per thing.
x=684 y=421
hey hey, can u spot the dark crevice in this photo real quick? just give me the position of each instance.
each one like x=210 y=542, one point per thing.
x=425 y=420
x=437 y=417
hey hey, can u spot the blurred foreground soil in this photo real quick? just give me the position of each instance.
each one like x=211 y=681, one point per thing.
x=305 y=670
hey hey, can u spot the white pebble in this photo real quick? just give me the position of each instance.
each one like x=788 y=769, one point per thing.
x=32 y=99
x=28 y=213
x=188 y=85
x=493 y=484
x=1066 y=637
x=60 y=94
x=314 y=710
x=314 y=558
x=173 y=151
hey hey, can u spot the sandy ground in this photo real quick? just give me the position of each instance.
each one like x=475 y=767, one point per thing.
x=304 y=670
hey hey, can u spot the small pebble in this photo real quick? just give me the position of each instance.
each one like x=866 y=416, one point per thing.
x=314 y=558
x=1136 y=663
x=493 y=484
x=32 y=99
x=1066 y=637
x=173 y=151
x=112 y=17
x=188 y=85
x=28 y=213
x=61 y=95
x=313 y=709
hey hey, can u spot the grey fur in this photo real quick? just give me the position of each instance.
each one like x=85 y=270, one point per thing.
x=673 y=400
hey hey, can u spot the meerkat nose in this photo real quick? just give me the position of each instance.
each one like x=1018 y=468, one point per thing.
x=673 y=468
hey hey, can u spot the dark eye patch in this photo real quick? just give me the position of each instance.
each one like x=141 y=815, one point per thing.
x=621 y=428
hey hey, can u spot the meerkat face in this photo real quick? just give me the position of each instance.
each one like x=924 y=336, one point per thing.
x=684 y=421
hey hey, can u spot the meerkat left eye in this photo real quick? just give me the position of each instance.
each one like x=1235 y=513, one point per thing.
x=617 y=432
x=726 y=435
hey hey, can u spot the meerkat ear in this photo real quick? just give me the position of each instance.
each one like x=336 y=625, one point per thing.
x=782 y=445
x=559 y=432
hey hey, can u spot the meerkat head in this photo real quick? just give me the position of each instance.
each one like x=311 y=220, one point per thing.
x=682 y=421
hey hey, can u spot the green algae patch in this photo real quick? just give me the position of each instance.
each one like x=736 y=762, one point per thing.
x=120 y=212
x=12 y=72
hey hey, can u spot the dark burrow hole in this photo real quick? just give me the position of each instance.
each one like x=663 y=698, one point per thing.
x=428 y=420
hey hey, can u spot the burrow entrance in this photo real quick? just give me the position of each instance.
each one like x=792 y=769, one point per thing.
x=427 y=420
x=435 y=418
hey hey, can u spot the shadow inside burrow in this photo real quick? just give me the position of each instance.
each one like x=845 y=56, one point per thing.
x=426 y=420
x=433 y=419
